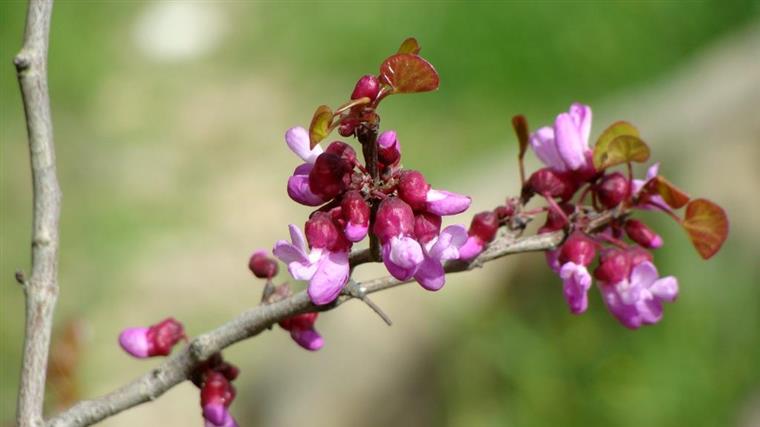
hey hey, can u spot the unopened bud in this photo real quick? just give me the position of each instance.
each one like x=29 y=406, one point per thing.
x=388 y=148
x=321 y=232
x=367 y=86
x=394 y=218
x=484 y=225
x=413 y=189
x=356 y=212
x=643 y=235
x=262 y=266
x=330 y=175
x=426 y=226
x=578 y=249
x=550 y=183
x=612 y=190
x=614 y=266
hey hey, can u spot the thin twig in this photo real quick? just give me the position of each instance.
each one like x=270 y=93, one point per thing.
x=41 y=288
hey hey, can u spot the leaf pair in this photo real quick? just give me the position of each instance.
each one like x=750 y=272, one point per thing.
x=620 y=143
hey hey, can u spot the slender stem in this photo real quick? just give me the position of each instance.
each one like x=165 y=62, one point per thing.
x=367 y=135
x=41 y=289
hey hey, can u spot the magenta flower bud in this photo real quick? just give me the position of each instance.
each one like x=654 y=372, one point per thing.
x=216 y=396
x=484 y=226
x=638 y=255
x=413 y=189
x=550 y=183
x=347 y=128
x=578 y=249
x=426 y=226
x=442 y=202
x=394 y=218
x=643 y=235
x=389 y=149
x=367 y=86
x=355 y=211
x=298 y=187
x=342 y=150
x=301 y=328
x=321 y=232
x=330 y=176
x=554 y=221
x=614 y=266
x=156 y=340
x=612 y=190
x=262 y=266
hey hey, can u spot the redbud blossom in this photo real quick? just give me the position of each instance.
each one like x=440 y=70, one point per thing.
x=389 y=149
x=301 y=328
x=156 y=340
x=482 y=231
x=574 y=256
x=413 y=189
x=356 y=213
x=330 y=175
x=262 y=266
x=612 y=190
x=565 y=146
x=216 y=396
x=643 y=235
x=394 y=225
x=614 y=265
x=367 y=86
x=426 y=226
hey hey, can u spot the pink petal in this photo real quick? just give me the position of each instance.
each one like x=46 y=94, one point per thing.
x=644 y=274
x=355 y=232
x=442 y=202
x=300 y=192
x=552 y=259
x=581 y=115
x=297 y=139
x=447 y=245
x=215 y=413
x=570 y=146
x=471 y=249
x=430 y=274
x=665 y=289
x=402 y=256
x=330 y=277
x=576 y=283
x=297 y=237
x=308 y=339
x=135 y=342
x=543 y=144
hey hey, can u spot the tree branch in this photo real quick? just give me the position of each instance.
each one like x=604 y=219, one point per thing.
x=179 y=366
x=41 y=288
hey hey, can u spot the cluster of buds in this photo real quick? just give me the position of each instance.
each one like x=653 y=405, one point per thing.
x=214 y=378
x=300 y=326
x=396 y=207
x=626 y=275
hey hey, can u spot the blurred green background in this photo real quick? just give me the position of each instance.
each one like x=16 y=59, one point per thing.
x=169 y=119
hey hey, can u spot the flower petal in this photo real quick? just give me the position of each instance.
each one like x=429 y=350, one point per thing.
x=135 y=342
x=665 y=288
x=355 y=232
x=644 y=274
x=402 y=256
x=297 y=139
x=300 y=192
x=543 y=144
x=569 y=143
x=576 y=283
x=581 y=115
x=471 y=248
x=297 y=237
x=308 y=339
x=442 y=202
x=447 y=245
x=430 y=274
x=215 y=413
x=330 y=277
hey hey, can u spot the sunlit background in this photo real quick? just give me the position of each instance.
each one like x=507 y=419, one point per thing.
x=169 y=122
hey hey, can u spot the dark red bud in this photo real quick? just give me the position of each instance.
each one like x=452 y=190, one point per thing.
x=163 y=336
x=413 y=188
x=321 y=232
x=612 y=190
x=301 y=321
x=643 y=235
x=342 y=150
x=579 y=249
x=638 y=255
x=388 y=148
x=614 y=266
x=262 y=266
x=346 y=129
x=330 y=175
x=354 y=208
x=217 y=390
x=426 y=226
x=367 y=86
x=554 y=221
x=394 y=217
x=484 y=225
x=548 y=182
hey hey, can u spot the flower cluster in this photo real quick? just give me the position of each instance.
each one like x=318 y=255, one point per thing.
x=626 y=275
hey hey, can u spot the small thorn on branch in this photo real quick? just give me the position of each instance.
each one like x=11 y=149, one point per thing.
x=20 y=278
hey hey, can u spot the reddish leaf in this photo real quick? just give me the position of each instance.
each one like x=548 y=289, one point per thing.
x=320 y=124
x=409 y=45
x=622 y=149
x=521 y=129
x=613 y=131
x=672 y=195
x=407 y=73
x=707 y=226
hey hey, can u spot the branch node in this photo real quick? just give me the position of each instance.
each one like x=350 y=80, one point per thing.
x=21 y=278
x=22 y=61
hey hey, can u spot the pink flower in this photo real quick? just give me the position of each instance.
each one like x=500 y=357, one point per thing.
x=326 y=268
x=571 y=262
x=565 y=147
x=637 y=298
x=298 y=141
x=216 y=396
x=444 y=247
x=482 y=231
x=394 y=226
x=155 y=340
x=301 y=328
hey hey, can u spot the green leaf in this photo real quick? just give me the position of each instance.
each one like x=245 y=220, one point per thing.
x=520 y=125
x=320 y=125
x=707 y=226
x=672 y=195
x=613 y=131
x=408 y=73
x=623 y=149
x=410 y=45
